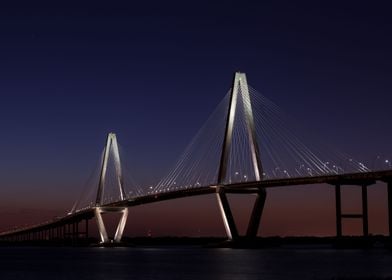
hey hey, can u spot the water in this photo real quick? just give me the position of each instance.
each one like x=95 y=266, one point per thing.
x=193 y=263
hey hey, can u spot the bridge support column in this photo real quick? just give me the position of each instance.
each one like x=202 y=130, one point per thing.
x=227 y=215
x=363 y=215
x=365 y=219
x=73 y=234
x=338 y=208
x=101 y=225
x=86 y=229
x=68 y=232
x=389 y=190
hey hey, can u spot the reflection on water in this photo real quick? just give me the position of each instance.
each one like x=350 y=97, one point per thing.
x=193 y=263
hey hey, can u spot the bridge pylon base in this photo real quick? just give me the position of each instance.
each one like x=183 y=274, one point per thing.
x=120 y=227
x=227 y=215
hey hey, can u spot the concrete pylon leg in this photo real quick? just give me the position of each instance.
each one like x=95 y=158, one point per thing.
x=121 y=226
x=227 y=216
x=101 y=226
x=254 y=221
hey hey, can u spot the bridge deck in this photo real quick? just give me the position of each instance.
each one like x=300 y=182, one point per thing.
x=364 y=178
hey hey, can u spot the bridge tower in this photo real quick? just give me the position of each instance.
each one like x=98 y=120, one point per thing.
x=240 y=87
x=111 y=148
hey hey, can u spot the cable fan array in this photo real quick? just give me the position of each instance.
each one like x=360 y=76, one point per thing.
x=198 y=165
x=111 y=190
x=286 y=149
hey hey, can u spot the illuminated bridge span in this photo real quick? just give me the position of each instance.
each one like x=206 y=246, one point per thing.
x=245 y=147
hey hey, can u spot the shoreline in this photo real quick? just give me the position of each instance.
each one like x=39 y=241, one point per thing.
x=346 y=242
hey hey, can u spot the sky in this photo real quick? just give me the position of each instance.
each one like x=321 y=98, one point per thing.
x=152 y=73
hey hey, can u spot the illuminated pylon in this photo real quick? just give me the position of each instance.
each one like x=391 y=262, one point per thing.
x=240 y=86
x=110 y=148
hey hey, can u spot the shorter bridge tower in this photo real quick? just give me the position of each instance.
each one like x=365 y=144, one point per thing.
x=111 y=148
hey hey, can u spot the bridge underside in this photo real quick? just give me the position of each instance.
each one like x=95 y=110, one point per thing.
x=70 y=228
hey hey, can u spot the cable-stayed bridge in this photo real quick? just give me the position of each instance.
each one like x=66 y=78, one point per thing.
x=245 y=147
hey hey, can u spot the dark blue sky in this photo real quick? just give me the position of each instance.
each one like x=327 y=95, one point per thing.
x=153 y=74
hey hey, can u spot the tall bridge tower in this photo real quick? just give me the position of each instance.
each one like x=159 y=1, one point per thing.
x=240 y=89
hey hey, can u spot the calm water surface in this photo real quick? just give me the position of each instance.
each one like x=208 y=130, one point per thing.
x=193 y=263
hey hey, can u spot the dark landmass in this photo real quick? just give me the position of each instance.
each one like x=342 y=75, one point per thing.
x=347 y=242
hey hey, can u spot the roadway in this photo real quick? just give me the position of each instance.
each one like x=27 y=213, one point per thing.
x=360 y=179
